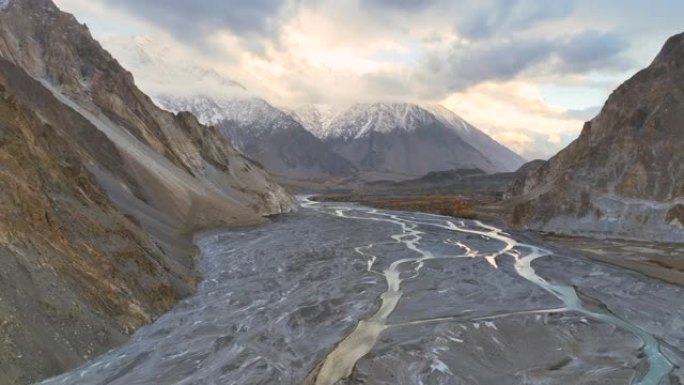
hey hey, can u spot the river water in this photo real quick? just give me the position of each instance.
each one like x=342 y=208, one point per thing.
x=343 y=294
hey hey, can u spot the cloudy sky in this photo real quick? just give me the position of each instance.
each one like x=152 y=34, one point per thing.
x=528 y=72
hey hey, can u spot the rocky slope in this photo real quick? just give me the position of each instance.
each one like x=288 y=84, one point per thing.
x=266 y=134
x=624 y=176
x=100 y=193
x=407 y=140
x=504 y=159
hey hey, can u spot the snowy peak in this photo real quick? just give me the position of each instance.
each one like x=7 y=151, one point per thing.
x=253 y=114
x=271 y=136
x=314 y=117
x=412 y=128
x=206 y=110
x=361 y=119
x=449 y=118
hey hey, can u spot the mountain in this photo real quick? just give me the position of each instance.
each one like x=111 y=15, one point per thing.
x=100 y=195
x=624 y=176
x=265 y=134
x=505 y=159
x=315 y=118
x=407 y=140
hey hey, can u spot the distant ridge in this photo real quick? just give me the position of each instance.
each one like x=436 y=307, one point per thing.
x=406 y=139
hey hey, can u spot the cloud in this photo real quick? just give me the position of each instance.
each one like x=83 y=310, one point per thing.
x=198 y=19
x=592 y=49
x=516 y=114
x=488 y=58
x=464 y=65
x=584 y=114
x=158 y=63
x=402 y=5
x=471 y=65
x=504 y=16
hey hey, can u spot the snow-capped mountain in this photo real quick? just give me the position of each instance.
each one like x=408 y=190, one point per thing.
x=493 y=150
x=406 y=139
x=266 y=134
x=314 y=117
x=245 y=112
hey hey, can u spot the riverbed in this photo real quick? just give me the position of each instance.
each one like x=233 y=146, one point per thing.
x=344 y=294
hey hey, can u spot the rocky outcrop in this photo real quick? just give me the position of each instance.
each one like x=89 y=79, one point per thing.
x=624 y=176
x=100 y=194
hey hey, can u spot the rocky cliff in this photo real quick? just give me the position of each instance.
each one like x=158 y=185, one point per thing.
x=624 y=176
x=100 y=193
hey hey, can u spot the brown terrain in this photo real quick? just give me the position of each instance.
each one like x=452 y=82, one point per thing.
x=450 y=205
x=624 y=176
x=100 y=195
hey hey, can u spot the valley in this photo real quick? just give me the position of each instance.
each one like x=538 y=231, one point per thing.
x=401 y=298
x=341 y=193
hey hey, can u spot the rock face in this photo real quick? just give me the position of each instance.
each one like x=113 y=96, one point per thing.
x=624 y=176
x=100 y=193
x=265 y=134
x=407 y=140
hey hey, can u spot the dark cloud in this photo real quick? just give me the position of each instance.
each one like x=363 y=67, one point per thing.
x=193 y=20
x=510 y=15
x=499 y=61
x=402 y=5
x=467 y=65
x=592 y=49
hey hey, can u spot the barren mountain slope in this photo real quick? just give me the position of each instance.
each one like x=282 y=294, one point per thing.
x=624 y=176
x=100 y=194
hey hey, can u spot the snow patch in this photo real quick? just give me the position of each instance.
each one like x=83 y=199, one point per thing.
x=363 y=119
x=254 y=114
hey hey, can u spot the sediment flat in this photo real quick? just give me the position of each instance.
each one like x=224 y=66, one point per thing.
x=344 y=294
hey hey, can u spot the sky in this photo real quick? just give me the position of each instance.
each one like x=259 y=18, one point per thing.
x=527 y=72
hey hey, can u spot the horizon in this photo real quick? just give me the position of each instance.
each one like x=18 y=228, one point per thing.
x=529 y=74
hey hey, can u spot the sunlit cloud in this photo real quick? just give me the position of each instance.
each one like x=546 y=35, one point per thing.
x=527 y=72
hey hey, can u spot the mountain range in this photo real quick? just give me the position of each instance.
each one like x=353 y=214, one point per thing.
x=266 y=134
x=407 y=140
x=382 y=140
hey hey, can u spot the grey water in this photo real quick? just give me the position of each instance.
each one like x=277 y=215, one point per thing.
x=343 y=294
